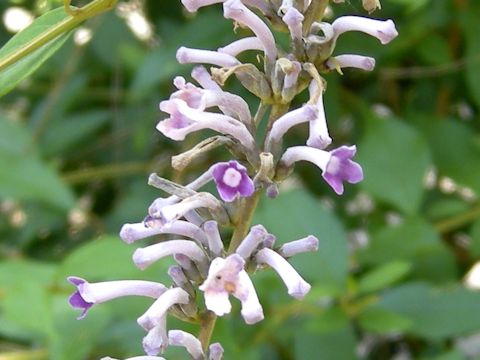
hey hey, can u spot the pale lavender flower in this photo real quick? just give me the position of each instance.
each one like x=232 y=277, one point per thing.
x=201 y=99
x=297 y=287
x=178 y=276
x=301 y=5
x=155 y=313
x=351 y=60
x=190 y=269
x=194 y=5
x=307 y=244
x=184 y=120
x=384 y=31
x=202 y=76
x=239 y=46
x=88 y=294
x=290 y=81
x=294 y=21
x=252 y=241
x=252 y=311
x=144 y=257
x=215 y=351
x=284 y=123
x=188 y=341
x=215 y=243
x=336 y=165
x=232 y=180
x=137 y=358
x=318 y=131
x=156 y=340
x=197 y=201
x=235 y=10
x=227 y=276
x=133 y=232
x=199 y=56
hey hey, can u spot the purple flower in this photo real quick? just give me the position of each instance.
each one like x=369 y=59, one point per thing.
x=232 y=180
x=215 y=351
x=336 y=165
x=341 y=168
x=239 y=46
x=384 y=31
x=183 y=120
x=235 y=10
x=155 y=314
x=88 y=294
x=297 y=287
x=198 y=56
x=351 y=60
x=188 y=341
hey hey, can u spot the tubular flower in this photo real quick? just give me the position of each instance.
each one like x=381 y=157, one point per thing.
x=89 y=294
x=225 y=277
x=336 y=165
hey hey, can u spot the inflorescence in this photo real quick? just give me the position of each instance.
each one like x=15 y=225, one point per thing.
x=195 y=218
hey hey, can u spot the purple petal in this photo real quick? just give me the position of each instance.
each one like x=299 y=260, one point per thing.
x=334 y=181
x=226 y=192
x=232 y=179
x=76 y=300
x=341 y=168
x=246 y=187
x=344 y=152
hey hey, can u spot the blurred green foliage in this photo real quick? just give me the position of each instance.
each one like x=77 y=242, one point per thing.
x=77 y=142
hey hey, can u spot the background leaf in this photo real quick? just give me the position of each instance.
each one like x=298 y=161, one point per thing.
x=395 y=159
x=11 y=76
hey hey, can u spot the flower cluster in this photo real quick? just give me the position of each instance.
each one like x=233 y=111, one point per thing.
x=195 y=218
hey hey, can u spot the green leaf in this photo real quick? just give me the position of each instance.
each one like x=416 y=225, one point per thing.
x=25 y=299
x=436 y=313
x=395 y=159
x=105 y=258
x=469 y=23
x=20 y=70
x=70 y=131
x=334 y=345
x=296 y=214
x=27 y=304
x=459 y=160
x=383 y=321
x=23 y=175
x=414 y=241
x=73 y=339
x=383 y=276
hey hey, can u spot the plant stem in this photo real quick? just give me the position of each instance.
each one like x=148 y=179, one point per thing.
x=70 y=22
x=245 y=219
x=107 y=172
x=457 y=221
x=208 y=318
x=314 y=13
x=207 y=321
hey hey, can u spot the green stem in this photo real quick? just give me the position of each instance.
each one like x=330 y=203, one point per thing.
x=314 y=13
x=207 y=321
x=107 y=172
x=457 y=221
x=94 y=8
x=245 y=219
